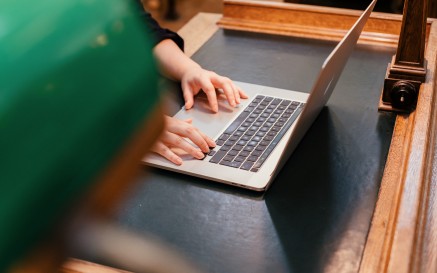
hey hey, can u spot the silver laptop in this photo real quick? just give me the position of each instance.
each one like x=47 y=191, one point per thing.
x=255 y=139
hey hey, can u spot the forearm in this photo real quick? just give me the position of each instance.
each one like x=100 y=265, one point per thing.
x=172 y=61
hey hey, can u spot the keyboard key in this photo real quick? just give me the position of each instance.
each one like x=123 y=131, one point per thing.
x=233 y=152
x=234 y=125
x=252 y=143
x=260 y=148
x=264 y=129
x=217 y=157
x=252 y=158
x=234 y=138
x=248 y=148
x=238 y=147
x=264 y=143
x=226 y=163
x=228 y=158
x=264 y=103
x=225 y=148
x=235 y=164
x=246 y=165
x=256 y=138
x=261 y=134
x=224 y=137
x=276 y=101
x=239 y=158
x=242 y=142
x=245 y=137
x=244 y=153
x=229 y=143
x=256 y=153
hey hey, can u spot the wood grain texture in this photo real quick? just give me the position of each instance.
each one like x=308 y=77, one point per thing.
x=308 y=21
x=402 y=235
x=412 y=37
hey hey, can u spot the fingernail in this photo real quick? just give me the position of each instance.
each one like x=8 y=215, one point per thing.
x=179 y=161
x=211 y=141
x=200 y=155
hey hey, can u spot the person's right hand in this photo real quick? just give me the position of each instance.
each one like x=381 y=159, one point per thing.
x=175 y=131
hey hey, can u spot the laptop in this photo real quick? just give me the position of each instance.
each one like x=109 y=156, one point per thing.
x=255 y=139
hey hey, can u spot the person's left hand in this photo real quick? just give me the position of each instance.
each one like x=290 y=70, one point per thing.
x=175 y=134
x=197 y=78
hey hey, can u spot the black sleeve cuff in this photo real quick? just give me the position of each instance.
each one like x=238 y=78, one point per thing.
x=156 y=32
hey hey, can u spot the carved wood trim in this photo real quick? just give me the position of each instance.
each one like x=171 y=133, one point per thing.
x=403 y=226
x=308 y=21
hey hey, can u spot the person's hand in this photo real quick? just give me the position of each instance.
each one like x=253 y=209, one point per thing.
x=197 y=78
x=175 y=131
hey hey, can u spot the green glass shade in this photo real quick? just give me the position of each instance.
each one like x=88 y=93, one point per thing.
x=76 y=80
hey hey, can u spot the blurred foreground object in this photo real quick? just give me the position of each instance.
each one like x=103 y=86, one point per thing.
x=79 y=107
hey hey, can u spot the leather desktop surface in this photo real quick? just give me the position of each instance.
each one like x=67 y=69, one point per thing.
x=317 y=213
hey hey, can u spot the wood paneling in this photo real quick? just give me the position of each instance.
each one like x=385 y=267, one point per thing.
x=309 y=21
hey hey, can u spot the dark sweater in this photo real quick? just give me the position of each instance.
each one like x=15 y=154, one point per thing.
x=155 y=31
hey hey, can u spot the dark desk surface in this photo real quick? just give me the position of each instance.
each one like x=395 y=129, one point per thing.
x=317 y=213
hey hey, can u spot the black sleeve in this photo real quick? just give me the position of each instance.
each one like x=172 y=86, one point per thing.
x=158 y=33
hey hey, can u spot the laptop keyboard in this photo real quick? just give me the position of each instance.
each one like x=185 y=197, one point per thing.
x=252 y=136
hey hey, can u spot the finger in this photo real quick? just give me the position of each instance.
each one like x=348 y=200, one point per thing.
x=188 y=94
x=241 y=92
x=188 y=120
x=173 y=138
x=192 y=133
x=210 y=141
x=209 y=90
x=167 y=153
x=230 y=94
x=178 y=142
x=228 y=88
x=236 y=93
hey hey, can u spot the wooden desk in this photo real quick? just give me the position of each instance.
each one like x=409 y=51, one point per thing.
x=319 y=221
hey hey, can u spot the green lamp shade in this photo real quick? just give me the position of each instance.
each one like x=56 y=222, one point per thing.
x=76 y=80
